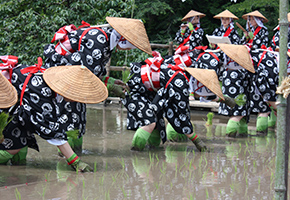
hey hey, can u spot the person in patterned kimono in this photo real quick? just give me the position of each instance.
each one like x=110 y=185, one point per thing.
x=37 y=110
x=275 y=42
x=257 y=34
x=92 y=47
x=227 y=28
x=256 y=38
x=162 y=94
x=235 y=82
x=190 y=33
x=165 y=92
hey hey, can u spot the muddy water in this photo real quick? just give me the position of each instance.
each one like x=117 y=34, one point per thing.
x=234 y=169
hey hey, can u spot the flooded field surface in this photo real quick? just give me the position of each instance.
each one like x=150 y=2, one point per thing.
x=233 y=169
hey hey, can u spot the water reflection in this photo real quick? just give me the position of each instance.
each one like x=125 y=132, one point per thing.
x=241 y=168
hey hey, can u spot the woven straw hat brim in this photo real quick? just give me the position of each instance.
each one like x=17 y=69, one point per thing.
x=132 y=30
x=192 y=13
x=256 y=14
x=8 y=94
x=208 y=78
x=240 y=54
x=226 y=14
x=76 y=83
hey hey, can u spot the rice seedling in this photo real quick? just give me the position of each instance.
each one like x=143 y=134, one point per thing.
x=122 y=162
x=95 y=166
x=123 y=191
x=207 y=194
x=17 y=194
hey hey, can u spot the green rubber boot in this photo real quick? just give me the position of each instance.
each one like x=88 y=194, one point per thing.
x=140 y=139
x=243 y=128
x=154 y=139
x=4 y=157
x=20 y=157
x=173 y=136
x=262 y=126
x=272 y=119
x=232 y=128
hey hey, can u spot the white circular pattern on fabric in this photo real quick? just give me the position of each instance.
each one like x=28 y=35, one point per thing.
x=101 y=39
x=269 y=63
x=256 y=97
x=262 y=88
x=232 y=90
x=90 y=43
x=176 y=122
x=16 y=132
x=213 y=62
x=76 y=57
x=131 y=107
x=227 y=82
x=186 y=130
x=36 y=81
x=39 y=117
x=89 y=59
x=178 y=82
x=97 y=69
x=206 y=56
x=182 y=104
x=97 y=54
x=234 y=75
x=93 y=32
x=149 y=113
x=170 y=113
x=34 y=98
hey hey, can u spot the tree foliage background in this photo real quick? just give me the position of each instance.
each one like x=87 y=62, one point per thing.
x=26 y=26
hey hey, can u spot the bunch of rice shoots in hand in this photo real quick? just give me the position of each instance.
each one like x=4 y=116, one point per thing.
x=126 y=77
x=4 y=120
x=241 y=99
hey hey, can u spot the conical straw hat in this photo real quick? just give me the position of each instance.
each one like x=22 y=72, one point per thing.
x=226 y=14
x=256 y=14
x=192 y=13
x=132 y=30
x=208 y=78
x=76 y=83
x=240 y=54
x=8 y=94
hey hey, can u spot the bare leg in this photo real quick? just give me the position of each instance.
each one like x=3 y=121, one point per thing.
x=66 y=150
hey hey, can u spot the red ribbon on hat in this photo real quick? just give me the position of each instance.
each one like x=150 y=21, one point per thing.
x=9 y=62
x=31 y=70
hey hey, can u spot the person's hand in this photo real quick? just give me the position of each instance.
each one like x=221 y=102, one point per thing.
x=82 y=166
x=190 y=26
x=212 y=45
x=121 y=83
x=246 y=35
x=251 y=35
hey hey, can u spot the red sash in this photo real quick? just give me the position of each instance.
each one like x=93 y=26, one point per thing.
x=255 y=33
x=187 y=39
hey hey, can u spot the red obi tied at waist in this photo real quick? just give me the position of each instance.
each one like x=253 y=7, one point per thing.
x=150 y=73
